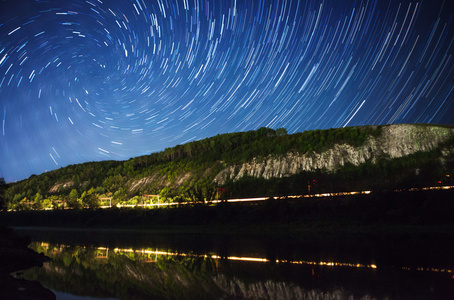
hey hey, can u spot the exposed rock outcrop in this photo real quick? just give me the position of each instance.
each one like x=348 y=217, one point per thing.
x=158 y=180
x=395 y=141
x=140 y=183
x=61 y=186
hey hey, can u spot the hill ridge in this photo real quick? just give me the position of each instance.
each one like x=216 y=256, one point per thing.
x=264 y=162
x=395 y=141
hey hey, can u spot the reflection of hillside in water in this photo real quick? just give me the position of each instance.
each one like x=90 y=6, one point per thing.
x=97 y=272
x=144 y=273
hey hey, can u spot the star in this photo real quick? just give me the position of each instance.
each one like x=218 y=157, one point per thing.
x=109 y=80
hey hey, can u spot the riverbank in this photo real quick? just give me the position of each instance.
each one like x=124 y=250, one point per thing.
x=15 y=256
x=428 y=211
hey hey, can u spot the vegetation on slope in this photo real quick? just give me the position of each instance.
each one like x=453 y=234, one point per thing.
x=186 y=172
x=382 y=210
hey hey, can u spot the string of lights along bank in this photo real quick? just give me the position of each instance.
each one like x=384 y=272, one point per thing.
x=98 y=80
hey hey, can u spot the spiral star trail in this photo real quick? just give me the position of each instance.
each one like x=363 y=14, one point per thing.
x=98 y=80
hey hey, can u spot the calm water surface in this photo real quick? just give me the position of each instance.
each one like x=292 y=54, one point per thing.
x=146 y=265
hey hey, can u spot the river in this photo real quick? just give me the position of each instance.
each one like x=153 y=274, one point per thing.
x=138 y=264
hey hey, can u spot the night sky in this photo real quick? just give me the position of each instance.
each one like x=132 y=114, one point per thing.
x=98 y=80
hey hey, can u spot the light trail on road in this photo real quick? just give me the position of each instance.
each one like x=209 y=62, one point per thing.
x=258 y=199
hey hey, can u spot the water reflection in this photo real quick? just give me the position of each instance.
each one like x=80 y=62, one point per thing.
x=207 y=267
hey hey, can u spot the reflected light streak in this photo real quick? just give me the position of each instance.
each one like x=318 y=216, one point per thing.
x=156 y=253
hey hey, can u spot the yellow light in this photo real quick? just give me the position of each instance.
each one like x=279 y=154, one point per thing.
x=150 y=251
x=247 y=259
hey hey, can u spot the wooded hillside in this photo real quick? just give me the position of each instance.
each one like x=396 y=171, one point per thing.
x=187 y=172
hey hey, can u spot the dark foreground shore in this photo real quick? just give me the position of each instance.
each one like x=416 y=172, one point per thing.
x=15 y=256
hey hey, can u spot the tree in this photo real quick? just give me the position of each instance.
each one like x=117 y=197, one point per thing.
x=73 y=200
x=281 y=131
x=73 y=195
x=120 y=195
x=3 y=205
x=38 y=201
x=91 y=200
x=201 y=194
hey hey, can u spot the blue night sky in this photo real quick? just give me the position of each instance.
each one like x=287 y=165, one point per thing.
x=98 y=80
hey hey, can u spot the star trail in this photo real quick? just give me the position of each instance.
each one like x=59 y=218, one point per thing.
x=98 y=80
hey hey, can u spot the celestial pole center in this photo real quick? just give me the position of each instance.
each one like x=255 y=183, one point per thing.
x=109 y=80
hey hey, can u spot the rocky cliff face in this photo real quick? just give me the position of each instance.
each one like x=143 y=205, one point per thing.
x=61 y=186
x=395 y=141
